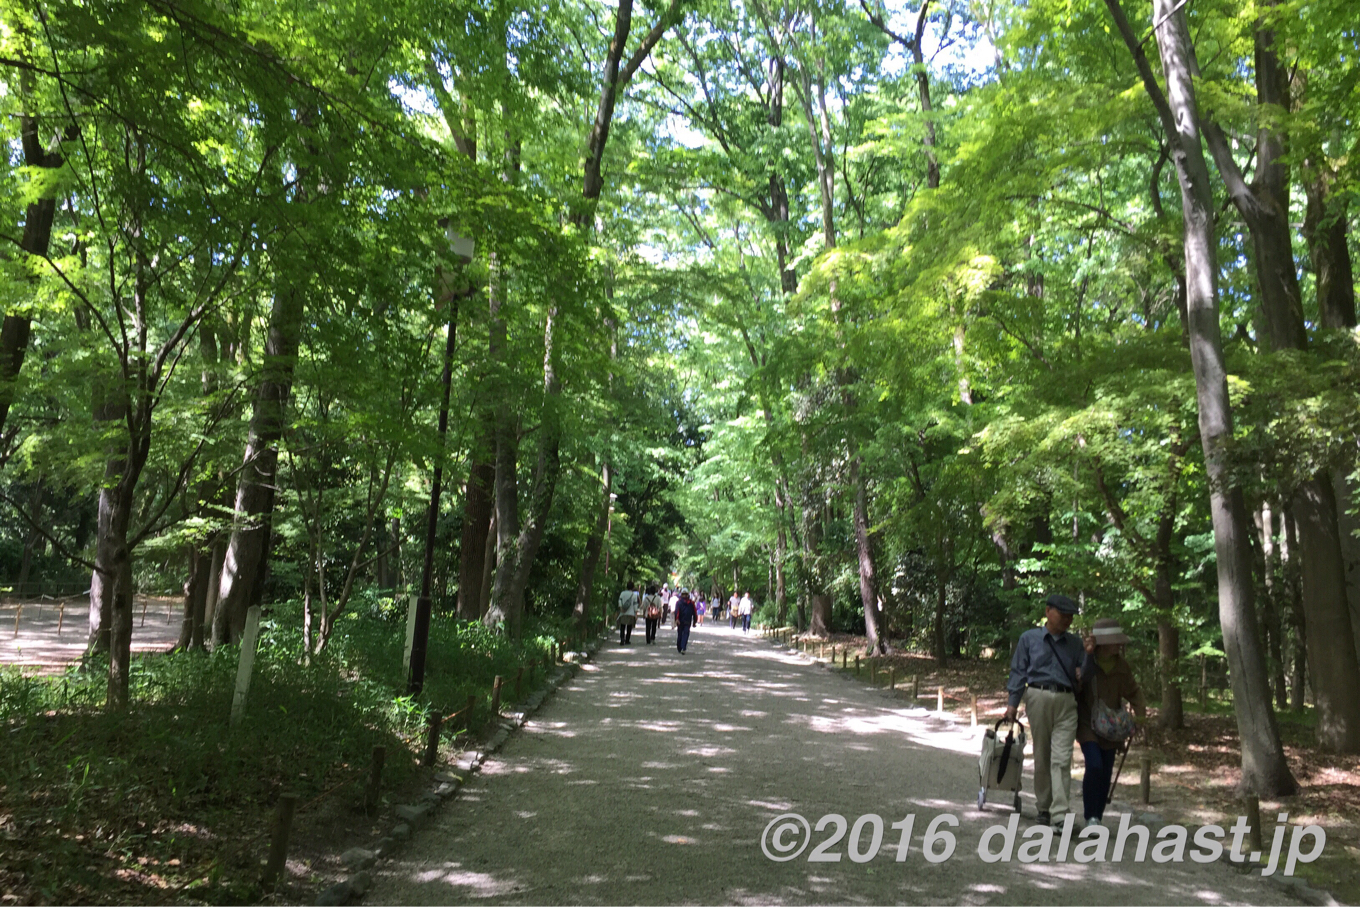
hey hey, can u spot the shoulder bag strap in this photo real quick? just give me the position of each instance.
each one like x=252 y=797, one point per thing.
x=1062 y=664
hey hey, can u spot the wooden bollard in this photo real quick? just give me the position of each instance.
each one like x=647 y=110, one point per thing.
x=916 y=686
x=1254 y=820
x=972 y=709
x=845 y=658
x=144 y=604
x=281 y=828
x=873 y=673
x=823 y=655
x=496 y=696
x=61 y=618
x=17 y=615
x=519 y=683
x=373 y=793
x=1145 y=779
x=939 y=701
x=892 y=677
x=432 y=739
x=856 y=665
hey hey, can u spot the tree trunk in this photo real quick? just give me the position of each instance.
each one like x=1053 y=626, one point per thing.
x=1264 y=769
x=478 y=505
x=1331 y=640
x=247 y=553
x=875 y=626
x=594 y=545
x=1324 y=225
x=938 y=650
x=38 y=218
x=1289 y=552
x=1270 y=608
x=195 y=598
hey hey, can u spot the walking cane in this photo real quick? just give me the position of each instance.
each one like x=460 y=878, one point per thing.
x=1123 y=752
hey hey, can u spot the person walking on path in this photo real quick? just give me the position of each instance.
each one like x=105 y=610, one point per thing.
x=1044 y=673
x=700 y=609
x=685 y=616
x=628 y=607
x=732 y=607
x=744 y=608
x=651 y=613
x=1107 y=682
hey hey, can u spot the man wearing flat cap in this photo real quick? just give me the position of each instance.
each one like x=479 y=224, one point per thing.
x=1044 y=673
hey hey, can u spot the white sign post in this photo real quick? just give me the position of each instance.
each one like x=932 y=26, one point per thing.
x=248 y=643
x=410 y=632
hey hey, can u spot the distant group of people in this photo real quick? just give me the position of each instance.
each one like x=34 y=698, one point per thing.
x=656 y=607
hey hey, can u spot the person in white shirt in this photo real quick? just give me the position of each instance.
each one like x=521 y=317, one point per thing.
x=744 y=608
x=628 y=608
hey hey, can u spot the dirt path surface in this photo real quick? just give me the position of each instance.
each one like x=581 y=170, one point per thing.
x=650 y=778
x=52 y=633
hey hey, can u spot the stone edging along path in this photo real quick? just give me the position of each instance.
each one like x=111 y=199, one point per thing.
x=1295 y=886
x=358 y=860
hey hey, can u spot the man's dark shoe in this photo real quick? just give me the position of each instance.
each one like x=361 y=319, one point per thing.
x=1043 y=818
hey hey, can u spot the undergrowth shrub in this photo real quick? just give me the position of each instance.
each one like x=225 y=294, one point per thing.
x=85 y=794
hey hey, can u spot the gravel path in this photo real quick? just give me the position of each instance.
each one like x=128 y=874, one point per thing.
x=650 y=778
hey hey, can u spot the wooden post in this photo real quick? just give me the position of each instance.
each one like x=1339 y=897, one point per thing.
x=280 y=830
x=845 y=658
x=17 y=614
x=1254 y=819
x=169 y=612
x=892 y=677
x=61 y=618
x=145 y=601
x=873 y=673
x=856 y=665
x=246 y=664
x=972 y=708
x=1145 y=780
x=373 y=793
x=1204 y=683
x=496 y=696
x=939 y=701
x=432 y=740
x=916 y=686
x=519 y=683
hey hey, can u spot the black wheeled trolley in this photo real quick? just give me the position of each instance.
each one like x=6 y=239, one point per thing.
x=1001 y=762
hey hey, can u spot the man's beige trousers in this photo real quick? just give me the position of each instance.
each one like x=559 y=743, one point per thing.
x=1053 y=724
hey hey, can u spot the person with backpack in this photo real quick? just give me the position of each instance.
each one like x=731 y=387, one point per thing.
x=685 y=616
x=628 y=608
x=651 y=613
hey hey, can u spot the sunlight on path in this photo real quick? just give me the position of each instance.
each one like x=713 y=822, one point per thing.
x=650 y=779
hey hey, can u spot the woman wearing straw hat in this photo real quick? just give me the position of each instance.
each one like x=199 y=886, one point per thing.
x=1106 y=682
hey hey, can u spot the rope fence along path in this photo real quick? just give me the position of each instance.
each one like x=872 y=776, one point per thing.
x=46 y=634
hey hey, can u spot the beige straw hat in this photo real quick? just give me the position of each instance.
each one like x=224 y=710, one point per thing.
x=1107 y=632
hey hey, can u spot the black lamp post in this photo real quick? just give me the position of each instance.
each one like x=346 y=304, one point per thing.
x=462 y=248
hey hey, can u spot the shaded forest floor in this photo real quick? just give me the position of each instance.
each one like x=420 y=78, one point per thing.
x=1194 y=770
x=167 y=803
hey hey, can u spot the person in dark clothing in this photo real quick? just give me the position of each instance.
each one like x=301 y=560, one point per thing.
x=685 y=617
x=1106 y=678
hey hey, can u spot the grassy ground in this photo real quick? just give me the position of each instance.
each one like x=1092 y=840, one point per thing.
x=167 y=803
x=1195 y=769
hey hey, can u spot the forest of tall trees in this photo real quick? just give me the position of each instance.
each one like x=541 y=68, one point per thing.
x=900 y=316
